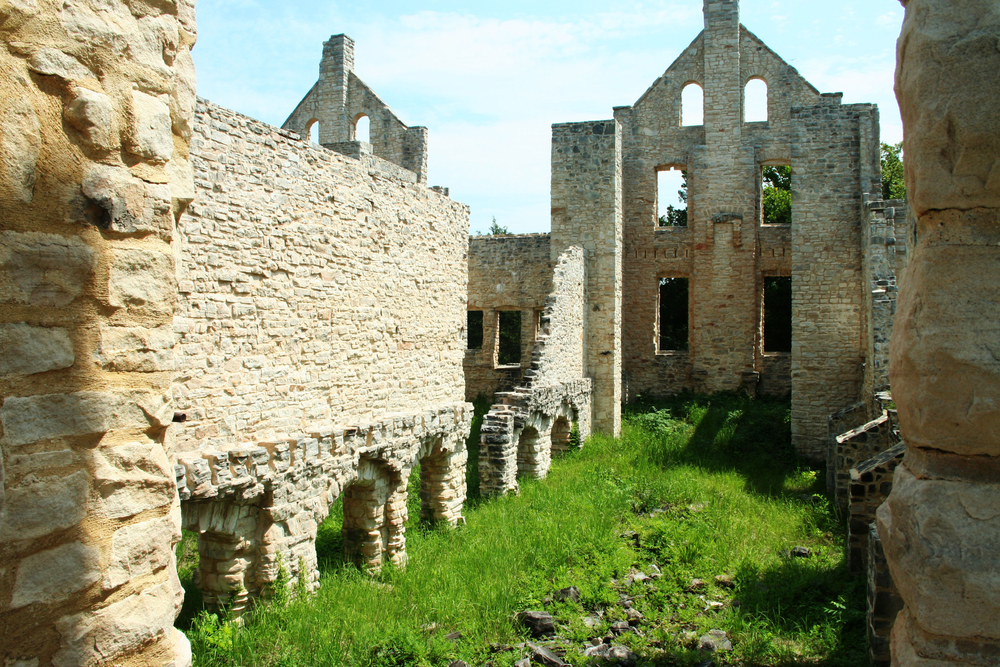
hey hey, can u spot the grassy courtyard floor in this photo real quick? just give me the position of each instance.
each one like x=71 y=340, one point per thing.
x=702 y=488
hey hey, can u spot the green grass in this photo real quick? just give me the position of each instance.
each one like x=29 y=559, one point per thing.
x=699 y=486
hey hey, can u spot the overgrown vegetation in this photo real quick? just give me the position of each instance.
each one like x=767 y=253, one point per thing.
x=893 y=179
x=777 y=194
x=706 y=489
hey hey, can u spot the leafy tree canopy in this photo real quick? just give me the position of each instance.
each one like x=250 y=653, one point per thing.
x=777 y=194
x=893 y=181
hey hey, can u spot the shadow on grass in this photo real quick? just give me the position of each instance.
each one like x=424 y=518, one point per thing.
x=731 y=433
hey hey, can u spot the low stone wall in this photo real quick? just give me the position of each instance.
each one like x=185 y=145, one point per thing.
x=257 y=507
x=857 y=446
x=521 y=432
x=871 y=483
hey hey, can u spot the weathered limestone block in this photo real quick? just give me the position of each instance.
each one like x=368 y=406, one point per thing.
x=183 y=99
x=94 y=116
x=136 y=349
x=100 y=636
x=942 y=538
x=130 y=204
x=142 y=279
x=149 y=133
x=140 y=549
x=20 y=145
x=52 y=62
x=54 y=575
x=49 y=505
x=947 y=79
x=28 y=349
x=946 y=344
x=35 y=418
x=43 y=269
x=132 y=478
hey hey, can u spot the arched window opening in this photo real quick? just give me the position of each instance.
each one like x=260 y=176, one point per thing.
x=755 y=101
x=671 y=197
x=313 y=131
x=692 y=105
x=363 y=129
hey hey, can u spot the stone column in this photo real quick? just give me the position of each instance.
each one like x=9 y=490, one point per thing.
x=587 y=211
x=941 y=524
x=96 y=105
x=331 y=106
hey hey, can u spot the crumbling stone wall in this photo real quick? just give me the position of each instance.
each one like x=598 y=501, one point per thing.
x=96 y=106
x=940 y=526
x=339 y=98
x=505 y=273
x=604 y=195
x=322 y=299
x=527 y=425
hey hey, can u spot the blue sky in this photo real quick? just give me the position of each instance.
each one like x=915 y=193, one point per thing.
x=489 y=79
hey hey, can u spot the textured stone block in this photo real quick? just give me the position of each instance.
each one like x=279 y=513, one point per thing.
x=43 y=269
x=28 y=350
x=142 y=279
x=149 y=134
x=56 y=574
x=133 y=478
x=138 y=550
x=20 y=145
x=93 y=115
x=136 y=349
x=98 y=637
x=44 y=507
x=53 y=62
x=36 y=418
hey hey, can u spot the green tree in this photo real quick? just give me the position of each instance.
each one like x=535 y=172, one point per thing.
x=777 y=194
x=496 y=229
x=676 y=216
x=893 y=180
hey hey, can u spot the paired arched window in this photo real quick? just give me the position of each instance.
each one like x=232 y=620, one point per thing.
x=692 y=105
x=755 y=101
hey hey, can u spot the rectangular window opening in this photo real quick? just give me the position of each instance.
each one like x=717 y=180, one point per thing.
x=776 y=194
x=778 y=314
x=509 y=337
x=474 y=330
x=673 y=315
x=671 y=197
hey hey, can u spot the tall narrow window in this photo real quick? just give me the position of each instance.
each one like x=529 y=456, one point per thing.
x=313 y=131
x=692 y=105
x=671 y=197
x=474 y=329
x=509 y=337
x=363 y=129
x=755 y=101
x=778 y=314
x=776 y=194
x=673 y=314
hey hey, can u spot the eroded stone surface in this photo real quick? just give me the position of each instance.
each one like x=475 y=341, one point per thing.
x=54 y=575
x=138 y=550
x=20 y=145
x=43 y=269
x=132 y=478
x=94 y=116
x=142 y=279
x=136 y=349
x=28 y=349
x=150 y=128
x=43 y=507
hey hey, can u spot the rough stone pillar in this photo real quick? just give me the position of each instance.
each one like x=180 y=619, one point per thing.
x=96 y=105
x=334 y=71
x=941 y=524
x=587 y=211
x=442 y=487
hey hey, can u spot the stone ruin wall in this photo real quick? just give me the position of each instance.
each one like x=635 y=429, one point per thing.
x=534 y=421
x=940 y=526
x=511 y=272
x=318 y=353
x=96 y=107
x=338 y=100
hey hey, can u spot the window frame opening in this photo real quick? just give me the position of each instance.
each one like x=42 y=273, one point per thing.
x=508 y=322
x=312 y=131
x=776 y=315
x=475 y=331
x=776 y=181
x=673 y=315
x=362 y=131
x=671 y=216
x=690 y=104
x=753 y=106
